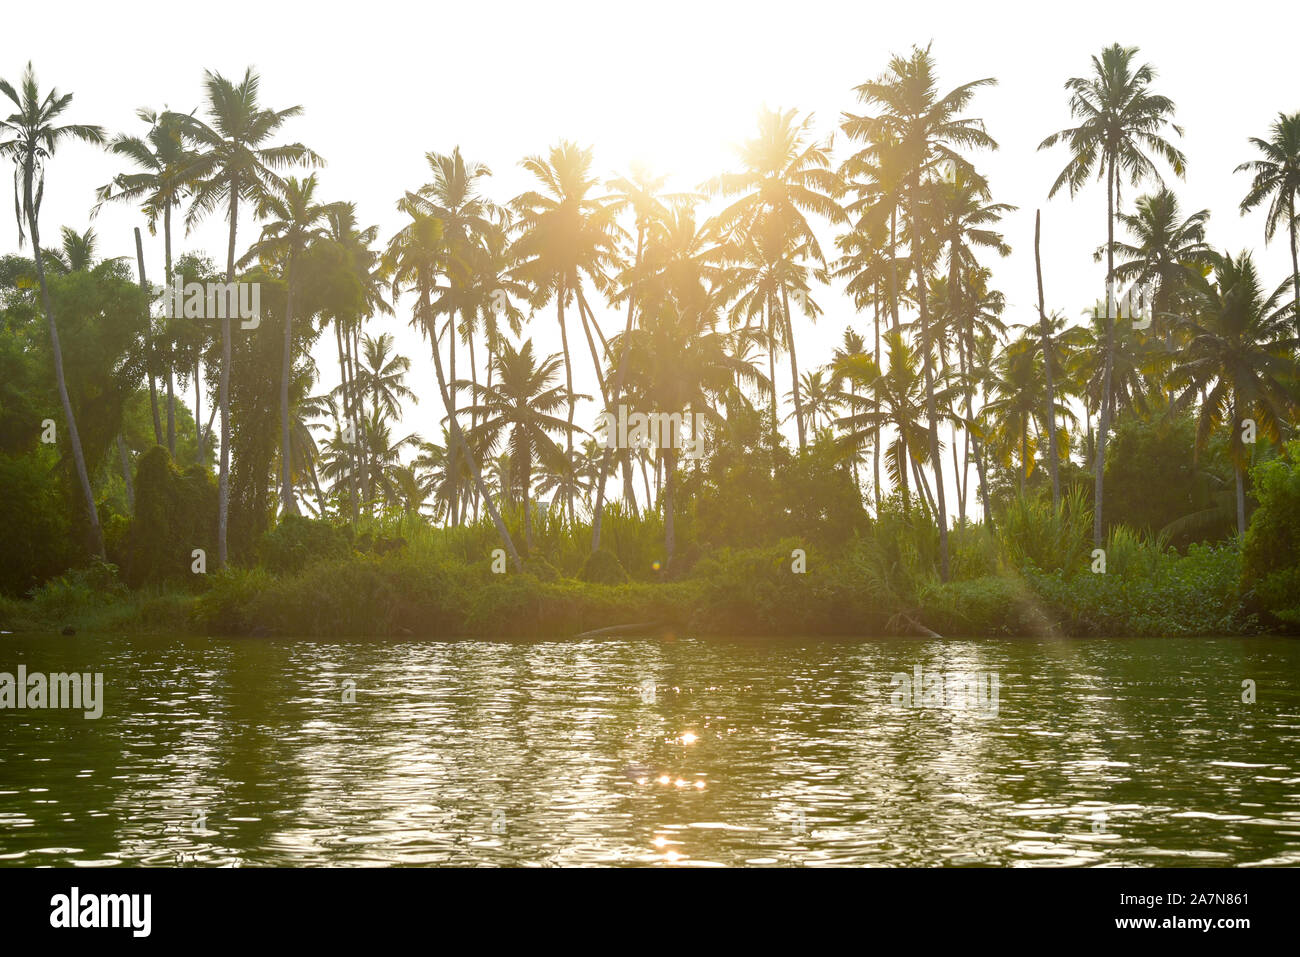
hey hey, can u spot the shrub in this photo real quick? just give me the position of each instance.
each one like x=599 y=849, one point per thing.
x=1271 y=550
x=34 y=516
x=175 y=513
x=603 y=568
x=298 y=542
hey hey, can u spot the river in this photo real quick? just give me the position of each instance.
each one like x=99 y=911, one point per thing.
x=664 y=753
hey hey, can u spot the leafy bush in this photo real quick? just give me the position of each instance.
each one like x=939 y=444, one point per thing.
x=34 y=516
x=1271 y=550
x=175 y=513
x=1034 y=534
x=1162 y=595
x=603 y=568
x=298 y=542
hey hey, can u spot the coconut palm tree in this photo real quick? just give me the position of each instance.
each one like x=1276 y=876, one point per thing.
x=1016 y=408
x=640 y=192
x=924 y=130
x=412 y=257
x=1241 y=356
x=1120 y=121
x=29 y=137
x=161 y=185
x=892 y=399
x=233 y=162
x=364 y=262
x=1277 y=180
x=564 y=237
x=1165 y=246
x=785 y=174
x=294 y=219
x=452 y=195
x=519 y=409
x=680 y=362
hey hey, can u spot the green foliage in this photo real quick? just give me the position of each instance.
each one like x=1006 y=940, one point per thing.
x=1160 y=594
x=175 y=513
x=1271 y=550
x=1154 y=478
x=298 y=542
x=1033 y=534
x=34 y=517
x=603 y=568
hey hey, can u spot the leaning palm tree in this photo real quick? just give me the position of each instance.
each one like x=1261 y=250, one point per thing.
x=1277 y=180
x=232 y=161
x=162 y=184
x=924 y=130
x=29 y=138
x=294 y=220
x=1241 y=357
x=1120 y=120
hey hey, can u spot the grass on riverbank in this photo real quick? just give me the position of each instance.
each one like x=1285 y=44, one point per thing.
x=877 y=586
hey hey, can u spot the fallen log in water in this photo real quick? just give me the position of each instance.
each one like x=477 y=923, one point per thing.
x=639 y=628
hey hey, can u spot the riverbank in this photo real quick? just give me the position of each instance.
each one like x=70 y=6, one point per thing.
x=755 y=592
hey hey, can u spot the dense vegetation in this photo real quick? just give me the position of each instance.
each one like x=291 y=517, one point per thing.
x=944 y=472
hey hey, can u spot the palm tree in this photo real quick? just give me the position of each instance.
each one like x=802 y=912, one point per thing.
x=31 y=137
x=785 y=175
x=382 y=373
x=161 y=185
x=295 y=219
x=563 y=236
x=232 y=162
x=1277 y=179
x=357 y=247
x=1019 y=383
x=925 y=130
x=892 y=399
x=412 y=257
x=679 y=362
x=467 y=220
x=641 y=193
x=1241 y=356
x=1120 y=119
x=844 y=357
x=520 y=408
x=1165 y=247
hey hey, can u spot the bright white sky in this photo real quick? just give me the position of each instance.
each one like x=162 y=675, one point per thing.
x=673 y=83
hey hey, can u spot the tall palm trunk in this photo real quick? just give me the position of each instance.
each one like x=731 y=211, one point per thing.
x=223 y=391
x=794 y=365
x=670 y=489
x=74 y=437
x=171 y=370
x=459 y=439
x=875 y=442
x=451 y=411
x=287 y=503
x=617 y=395
x=931 y=410
x=1103 y=425
x=125 y=458
x=771 y=366
x=1050 y=418
x=473 y=416
x=568 y=384
x=150 y=348
x=347 y=418
x=1295 y=263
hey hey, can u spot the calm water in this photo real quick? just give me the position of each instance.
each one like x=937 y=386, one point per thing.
x=764 y=753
